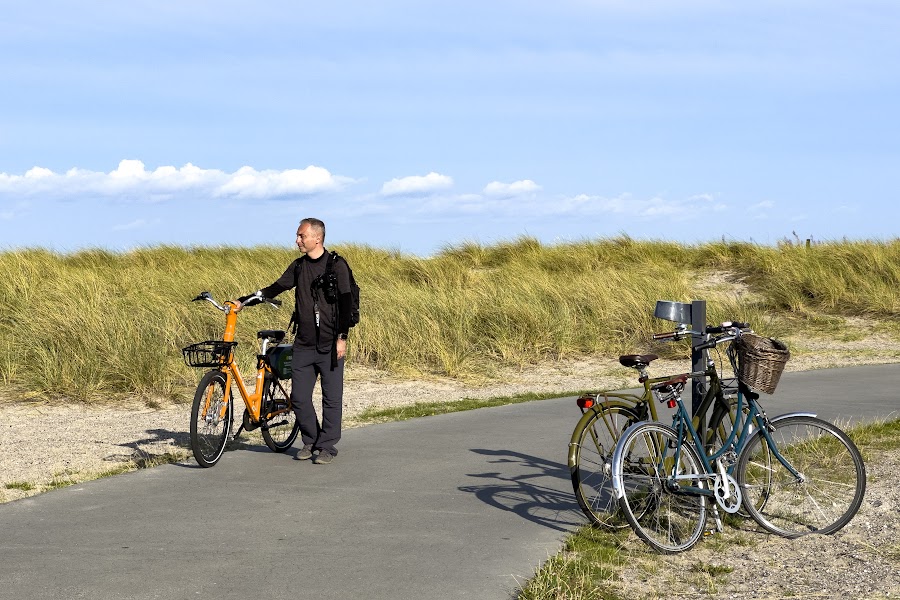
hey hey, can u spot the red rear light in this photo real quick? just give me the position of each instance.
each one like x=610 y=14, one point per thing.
x=585 y=402
x=671 y=403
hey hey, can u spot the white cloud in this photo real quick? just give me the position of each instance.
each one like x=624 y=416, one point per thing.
x=248 y=182
x=516 y=188
x=38 y=173
x=132 y=177
x=656 y=207
x=764 y=205
x=416 y=185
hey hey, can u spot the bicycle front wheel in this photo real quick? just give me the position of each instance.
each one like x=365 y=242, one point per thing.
x=211 y=418
x=830 y=486
x=279 y=425
x=592 y=468
x=652 y=472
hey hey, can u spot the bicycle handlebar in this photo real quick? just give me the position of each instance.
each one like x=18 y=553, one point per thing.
x=664 y=336
x=727 y=326
x=255 y=299
x=733 y=327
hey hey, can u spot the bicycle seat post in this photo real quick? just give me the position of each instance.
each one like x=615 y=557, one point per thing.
x=643 y=372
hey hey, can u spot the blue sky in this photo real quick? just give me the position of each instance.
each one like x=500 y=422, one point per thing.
x=416 y=125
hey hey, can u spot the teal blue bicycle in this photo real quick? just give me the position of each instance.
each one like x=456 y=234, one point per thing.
x=794 y=474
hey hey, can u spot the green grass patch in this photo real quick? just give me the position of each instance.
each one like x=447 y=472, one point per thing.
x=590 y=559
x=430 y=409
x=23 y=486
x=712 y=570
x=66 y=478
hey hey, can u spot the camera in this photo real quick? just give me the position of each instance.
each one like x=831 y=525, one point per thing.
x=327 y=282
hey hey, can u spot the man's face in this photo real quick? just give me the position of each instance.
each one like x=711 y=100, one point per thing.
x=307 y=238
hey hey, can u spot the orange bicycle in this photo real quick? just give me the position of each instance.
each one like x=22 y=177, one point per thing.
x=268 y=407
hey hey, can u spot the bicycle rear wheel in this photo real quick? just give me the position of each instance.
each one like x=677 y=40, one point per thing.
x=592 y=469
x=827 y=496
x=211 y=417
x=279 y=425
x=650 y=472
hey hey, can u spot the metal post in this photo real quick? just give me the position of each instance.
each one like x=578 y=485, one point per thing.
x=698 y=357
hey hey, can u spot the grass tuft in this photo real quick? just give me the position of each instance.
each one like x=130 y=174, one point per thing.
x=23 y=486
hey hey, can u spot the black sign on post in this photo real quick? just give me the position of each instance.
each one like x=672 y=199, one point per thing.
x=698 y=357
x=693 y=314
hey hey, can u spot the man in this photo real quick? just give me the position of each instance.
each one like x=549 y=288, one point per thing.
x=322 y=319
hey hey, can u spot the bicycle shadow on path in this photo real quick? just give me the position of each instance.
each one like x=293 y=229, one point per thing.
x=158 y=444
x=540 y=493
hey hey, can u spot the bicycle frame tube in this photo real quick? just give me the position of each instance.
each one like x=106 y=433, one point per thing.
x=682 y=419
x=754 y=416
x=233 y=373
x=774 y=447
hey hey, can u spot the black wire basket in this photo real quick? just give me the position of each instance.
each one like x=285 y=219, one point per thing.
x=212 y=353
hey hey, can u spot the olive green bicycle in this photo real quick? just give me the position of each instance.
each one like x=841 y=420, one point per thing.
x=607 y=414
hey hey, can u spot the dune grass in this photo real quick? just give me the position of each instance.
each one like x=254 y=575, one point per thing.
x=95 y=325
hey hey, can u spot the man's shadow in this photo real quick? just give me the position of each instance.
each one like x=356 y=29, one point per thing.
x=541 y=495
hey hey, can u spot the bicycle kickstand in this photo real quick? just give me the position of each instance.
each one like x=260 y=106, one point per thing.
x=719 y=528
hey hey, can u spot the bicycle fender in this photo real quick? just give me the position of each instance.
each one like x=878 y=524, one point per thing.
x=583 y=421
x=782 y=417
x=793 y=414
x=618 y=460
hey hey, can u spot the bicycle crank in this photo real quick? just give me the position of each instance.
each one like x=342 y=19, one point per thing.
x=728 y=494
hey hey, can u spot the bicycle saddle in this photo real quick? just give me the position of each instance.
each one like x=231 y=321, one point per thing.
x=273 y=334
x=634 y=360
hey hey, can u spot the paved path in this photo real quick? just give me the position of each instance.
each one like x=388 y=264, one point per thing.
x=457 y=506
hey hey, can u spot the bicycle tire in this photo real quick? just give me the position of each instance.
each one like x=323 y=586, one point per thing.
x=279 y=425
x=664 y=519
x=592 y=467
x=833 y=485
x=211 y=418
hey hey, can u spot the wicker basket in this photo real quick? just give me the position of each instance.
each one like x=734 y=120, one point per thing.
x=761 y=361
x=212 y=353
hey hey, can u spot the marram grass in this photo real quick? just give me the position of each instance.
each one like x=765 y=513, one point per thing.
x=96 y=324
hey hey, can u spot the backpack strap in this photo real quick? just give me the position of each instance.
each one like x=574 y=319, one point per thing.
x=295 y=318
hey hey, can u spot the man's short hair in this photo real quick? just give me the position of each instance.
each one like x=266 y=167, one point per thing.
x=315 y=224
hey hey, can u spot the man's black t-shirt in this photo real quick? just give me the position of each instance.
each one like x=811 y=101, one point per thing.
x=300 y=274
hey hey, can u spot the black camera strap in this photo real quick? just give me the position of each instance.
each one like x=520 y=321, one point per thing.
x=328 y=278
x=329 y=273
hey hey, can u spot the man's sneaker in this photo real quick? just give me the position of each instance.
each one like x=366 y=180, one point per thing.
x=324 y=457
x=305 y=452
